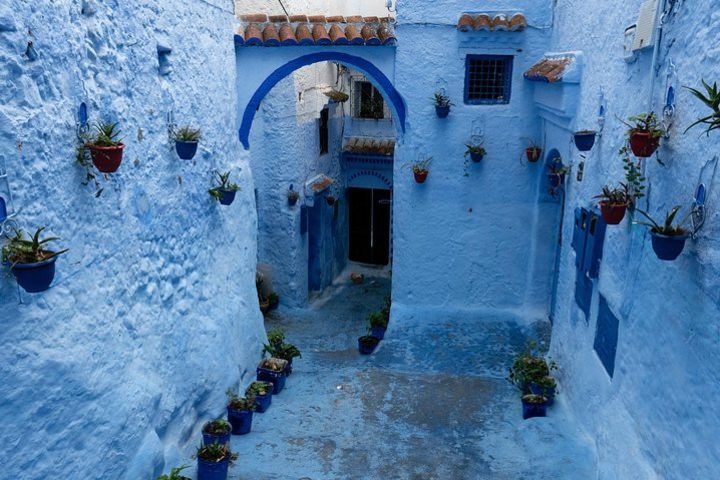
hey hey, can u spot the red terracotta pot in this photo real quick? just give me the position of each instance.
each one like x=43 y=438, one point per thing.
x=106 y=159
x=533 y=154
x=643 y=144
x=612 y=214
x=420 y=177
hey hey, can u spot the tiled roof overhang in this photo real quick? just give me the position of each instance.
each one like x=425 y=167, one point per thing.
x=498 y=22
x=370 y=146
x=318 y=30
x=550 y=69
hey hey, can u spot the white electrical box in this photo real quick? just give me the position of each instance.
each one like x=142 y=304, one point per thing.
x=645 y=30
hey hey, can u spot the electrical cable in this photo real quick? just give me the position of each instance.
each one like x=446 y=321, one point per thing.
x=283 y=7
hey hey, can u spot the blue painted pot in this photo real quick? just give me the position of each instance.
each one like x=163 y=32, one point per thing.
x=668 y=247
x=367 y=345
x=241 y=421
x=213 y=470
x=276 y=378
x=531 y=410
x=263 y=402
x=227 y=197
x=442 y=112
x=210 y=438
x=3 y=210
x=584 y=141
x=35 y=277
x=477 y=157
x=186 y=150
x=289 y=368
x=536 y=389
x=378 y=332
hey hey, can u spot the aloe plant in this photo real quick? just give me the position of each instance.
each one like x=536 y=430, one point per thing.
x=442 y=100
x=711 y=98
x=22 y=250
x=224 y=184
x=187 y=134
x=106 y=135
x=422 y=166
x=615 y=196
x=668 y=227
x=175 y=474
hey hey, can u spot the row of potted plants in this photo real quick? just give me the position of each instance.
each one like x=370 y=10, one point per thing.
x=378 y=323
x=531 y=374
x=214 y=456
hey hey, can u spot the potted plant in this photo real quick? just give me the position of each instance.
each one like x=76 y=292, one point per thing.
x=225 y=191
x=442 y=105
x=262 y=393
x=378 y=324
x=175 y=474
x=367 y=344
x=240 y=413
x=273 y=370
x=278 y=348
x=106 y=149
x=533 y=152
x=32 y=265
x=556 y=177
x=546 y=387
x=186 y=142
x=476 y=152
x=644 y=134
x=712 y=99
x=585 y=140
x=292 y=196
x=421 y=169
x=214 y=460
x=216 y=431
x=529 y=367
x=668 y=239
x=534 y=406
x=614 y=203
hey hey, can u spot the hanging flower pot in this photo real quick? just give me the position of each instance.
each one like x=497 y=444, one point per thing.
x=442 y=111
x=614 y=202
x=273 y=370
x=240 y=413
x=367 y=344
x=32 y=266
x=225 y=191
x=330 y=200
x=106 y=151
x=533 y=154
x=668 y=247
x=420 y=176
x=585 y=140
x=442 y=105
x=534 y=406
x=643 y=144
x=476 y=152
x=613 y=214
x=186 y=142
x=217 y=431
x=213 y=462
x=292 y=196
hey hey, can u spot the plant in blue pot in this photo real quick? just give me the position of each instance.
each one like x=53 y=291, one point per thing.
x=240 y=413
x=30 y=262
x=175 y=474
x=186 y=142
x=214 y=460
x=442 y=105
x=668 y=238
x=585 y=140
x=544 y=386
x=378 y=324
x=216 y=431
x=273 y=370
x=367 y=344
x=475 y=151
x=529 y=367
x=224 y=192
x=262 y=393
x=534 y=406
x=278 y=348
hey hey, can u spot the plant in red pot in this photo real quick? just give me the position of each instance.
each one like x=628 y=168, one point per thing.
x=106 y=149
x=32 y=265
x=644 y=134
x=421 y=169
x=614 y=203
x=533 y=152
x=668 y=238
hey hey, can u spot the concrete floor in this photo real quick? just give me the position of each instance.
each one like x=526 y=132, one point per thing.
x=431 y=403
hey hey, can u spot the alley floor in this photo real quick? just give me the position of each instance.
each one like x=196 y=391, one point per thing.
x=431 y=403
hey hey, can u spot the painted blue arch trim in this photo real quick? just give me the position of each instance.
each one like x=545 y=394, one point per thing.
x=374 y=74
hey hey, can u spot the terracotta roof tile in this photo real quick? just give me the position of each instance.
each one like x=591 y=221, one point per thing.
x=497 y=22
x=281 y=30
x=370 y=145
x=548 y=70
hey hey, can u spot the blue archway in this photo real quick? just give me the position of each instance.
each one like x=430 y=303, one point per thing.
x=374 y=74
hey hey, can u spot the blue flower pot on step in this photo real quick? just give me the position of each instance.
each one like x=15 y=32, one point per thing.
x=210 y=438
x=241 y=421
x=276 y=378
x=262 y=402
x=367 y=344
x=668 y=247
x=186 y=150
x=378 y=332
x=289 y=368
x=227 y=197
x=442 y=112
x=584 y=141
x=531 y=410
x=213 y=470
x=548 y=393
x=35 y=277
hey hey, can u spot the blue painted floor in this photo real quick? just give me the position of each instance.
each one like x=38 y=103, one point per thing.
x=431 y=403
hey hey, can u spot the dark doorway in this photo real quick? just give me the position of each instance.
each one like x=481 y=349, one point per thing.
x=369 y=219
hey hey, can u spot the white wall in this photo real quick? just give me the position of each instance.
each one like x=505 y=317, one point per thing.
x=319 y=7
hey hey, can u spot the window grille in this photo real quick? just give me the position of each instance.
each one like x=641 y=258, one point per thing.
x=488 y=79
x=367 y=101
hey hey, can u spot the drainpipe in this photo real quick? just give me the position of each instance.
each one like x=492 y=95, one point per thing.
x=660 y=15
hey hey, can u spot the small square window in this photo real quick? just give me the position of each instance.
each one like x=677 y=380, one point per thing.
x=488 y=79
x=368 y=102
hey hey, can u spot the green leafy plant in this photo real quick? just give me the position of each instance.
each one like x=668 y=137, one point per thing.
x=475 y=149
x=668 y=227
x=274 y=364
x=529 y=367
x=258 y=388
x=277 y=348
x=175 y=474
x=645 y=122
x=106 y=135
x=187 y=134
x=377 y=319
x=236 y=402
x=215 y=453
x=711 y=98
x=217 y=427
x=28 y=250
x=442 y=100
x=223 y=180
x=615 y=196
x=422 y=166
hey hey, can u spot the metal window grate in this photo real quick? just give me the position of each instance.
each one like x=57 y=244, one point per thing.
x=488 y=79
